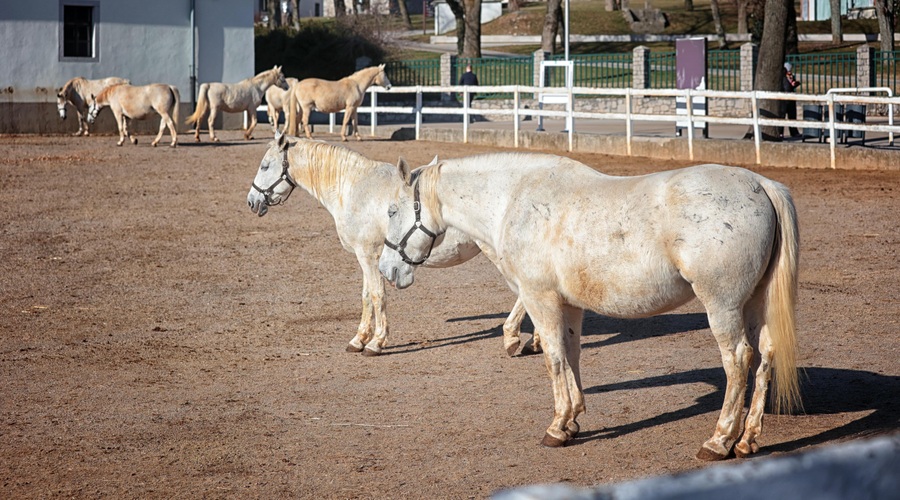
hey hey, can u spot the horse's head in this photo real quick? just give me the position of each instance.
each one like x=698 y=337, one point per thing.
x=278 y=79
x=93 y=109
x=382 y=79
x=412 y=231
x=61 y=103
x=273 y=184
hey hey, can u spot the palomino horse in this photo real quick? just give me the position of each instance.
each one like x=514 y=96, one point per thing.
x=567 y=238
x=276 y=101
x=354 y=189
x=76 y=92
x=245 y=95
x=136 y=102
x=330 y=97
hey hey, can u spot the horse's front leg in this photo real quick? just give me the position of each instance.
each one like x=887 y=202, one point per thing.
x=356 y=125
x=546 y=313
x=728 y=328
x=120 y=122
x=512 y=328
x=348 y=116
x=249 y=133
x=82 y=124
x=305 y=121
x=366 y=324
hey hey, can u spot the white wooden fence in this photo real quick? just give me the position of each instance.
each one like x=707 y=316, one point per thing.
x=517 y=112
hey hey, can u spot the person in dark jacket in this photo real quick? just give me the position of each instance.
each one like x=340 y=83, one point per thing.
x=469 y=78
x=789 y=84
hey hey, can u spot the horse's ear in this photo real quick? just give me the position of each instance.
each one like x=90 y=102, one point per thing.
x=434 y=161
x=403 y=167
x=281 y=140
x=381 y=66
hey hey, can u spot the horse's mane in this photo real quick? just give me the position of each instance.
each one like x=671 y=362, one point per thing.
x=428 y=177
x=330 y=167
x=71 y=83
x=261 y=75
x=104 y=94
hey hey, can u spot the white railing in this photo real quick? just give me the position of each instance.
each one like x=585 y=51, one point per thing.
x=517 y=112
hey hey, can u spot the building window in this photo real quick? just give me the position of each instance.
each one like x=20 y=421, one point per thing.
x=78 y=30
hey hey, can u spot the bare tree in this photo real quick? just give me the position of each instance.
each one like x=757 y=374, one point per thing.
x=837 y=30
x=742 y=6
x=459 y=12
x=885 y=11
x=340 y=8
x=514 y=5
x=717 y=20
x=274 y=8
x=468 y=26
x=551 y=26
x=612 y=5
x=689 y=5
x=404 y=14
x=770 y=67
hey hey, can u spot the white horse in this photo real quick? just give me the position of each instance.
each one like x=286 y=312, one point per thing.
x=77 y=92
x=245 y=95
x=277 y=100
x=567 y=238
x=330 y=97
x=137 y=102
x=354 y=189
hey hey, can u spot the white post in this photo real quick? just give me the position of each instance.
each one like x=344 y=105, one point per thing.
x=688 y=99
x=832 y=138
x=570 y=121
x=516 y=117
x=418 y=112
x=754 y=103
x=373 y=115
x=465 y=114
x=331 y=123
x=628 y=124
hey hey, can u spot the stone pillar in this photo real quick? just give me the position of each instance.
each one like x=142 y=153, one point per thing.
x=448 y=75
x=749 y=54
x=865 y=66
x=539 y=57
x=640 y=68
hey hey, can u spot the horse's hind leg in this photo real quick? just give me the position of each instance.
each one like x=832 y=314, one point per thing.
x=755 y=311
x=728 y=327
x=212 y=118
x=249 y=133
x=162 y=129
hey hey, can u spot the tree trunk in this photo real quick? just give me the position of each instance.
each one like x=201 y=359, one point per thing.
x=472 y=45
x=459 y=12
x=884 y=9
x=340 y=8
x=756 y=13
x=717 y=20
x=837 y=33
x=742 y=17
x=689 y=5
x=274 y=8
x=514 y=6
x=612 y=5
x=791 y=36
x=404 y=13
x=770 y=67
x=551 y=26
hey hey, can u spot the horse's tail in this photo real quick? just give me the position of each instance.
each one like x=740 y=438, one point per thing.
x=291 y=112
x=175 y=111
x=202 y=105
x=781 y=299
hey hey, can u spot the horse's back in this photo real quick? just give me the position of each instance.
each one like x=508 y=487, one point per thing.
x=666 y=231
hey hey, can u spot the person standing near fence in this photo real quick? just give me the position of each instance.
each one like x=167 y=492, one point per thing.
x=789 y=84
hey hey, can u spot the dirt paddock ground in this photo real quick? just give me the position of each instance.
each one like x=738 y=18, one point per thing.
x=161 y=341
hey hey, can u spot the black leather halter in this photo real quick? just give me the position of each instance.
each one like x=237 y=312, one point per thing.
x=285 y=177
x=401 y=246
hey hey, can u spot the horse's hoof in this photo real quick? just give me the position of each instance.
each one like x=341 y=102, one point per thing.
x=370 y=353
x=512 y=348
x=707 y=455
x=528 y=349
x=552 y=442
x=743 y=450
x=215 y=139
x=353 y=348
x=572 y=429
x=197 y=139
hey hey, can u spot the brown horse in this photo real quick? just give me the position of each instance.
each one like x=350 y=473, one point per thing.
x=245 y=95
x=330 y=97
x=136 y=102
x=76 y=92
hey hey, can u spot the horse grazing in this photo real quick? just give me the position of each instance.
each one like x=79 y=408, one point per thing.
x=276 y=101
x=137 y=102
x=330 y=97
x=567 y=238
x=245 y=95
x=354 y=189
x=76 y=92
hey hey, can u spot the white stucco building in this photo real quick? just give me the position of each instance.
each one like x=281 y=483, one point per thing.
x=44 y=43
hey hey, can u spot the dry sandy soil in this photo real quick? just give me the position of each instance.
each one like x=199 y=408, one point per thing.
x=160 y=340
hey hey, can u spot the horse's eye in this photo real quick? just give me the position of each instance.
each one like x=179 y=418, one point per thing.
x=264 y=167
x=392 y=210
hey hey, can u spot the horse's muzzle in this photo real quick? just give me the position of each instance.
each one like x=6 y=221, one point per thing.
x=258 y=207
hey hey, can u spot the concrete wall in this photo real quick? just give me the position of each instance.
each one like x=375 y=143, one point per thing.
x=144 y=41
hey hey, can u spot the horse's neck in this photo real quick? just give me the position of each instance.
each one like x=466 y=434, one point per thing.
x=473 y=204
x=319 y=172
x=365 y=79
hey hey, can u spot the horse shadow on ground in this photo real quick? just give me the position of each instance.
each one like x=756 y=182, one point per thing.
x=824 y=391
